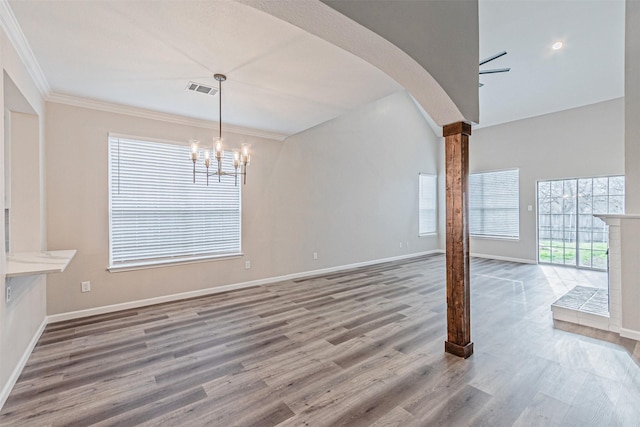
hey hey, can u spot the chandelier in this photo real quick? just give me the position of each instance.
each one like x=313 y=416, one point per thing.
x=240 y=158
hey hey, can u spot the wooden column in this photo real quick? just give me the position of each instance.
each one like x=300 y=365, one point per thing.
x=458 y=295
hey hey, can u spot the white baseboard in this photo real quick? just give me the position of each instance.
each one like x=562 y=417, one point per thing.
x=148 y=301
x=496 y=257
x=630 y=333
x=4 y=394
x=218 y=289
x=505 y=258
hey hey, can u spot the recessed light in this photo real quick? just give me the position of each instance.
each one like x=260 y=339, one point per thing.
x=557 y=46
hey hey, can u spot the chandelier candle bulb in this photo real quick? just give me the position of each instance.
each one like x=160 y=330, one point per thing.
x=194 y=157
x=236 y=159
x=207 y=158
x=207 y=162
x=245 y=155
x=219 y=152
x=194 y=150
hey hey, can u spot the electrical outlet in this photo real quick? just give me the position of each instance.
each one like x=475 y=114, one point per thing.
x=85 y=286
x=8 y=293
x=315 y=255
x=407 y=245
x=247 y=265
x=400 y=245
x=530 y=208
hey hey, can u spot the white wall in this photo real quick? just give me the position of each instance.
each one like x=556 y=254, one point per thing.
x=440 y=36
x=359 y=176
x=581 y=142
x=25 y=212
x=22 y=318
x=346 y=189
x=630 y=229
x=632 y=106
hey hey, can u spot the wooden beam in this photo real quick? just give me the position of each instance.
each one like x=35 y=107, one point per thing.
x=458 y=290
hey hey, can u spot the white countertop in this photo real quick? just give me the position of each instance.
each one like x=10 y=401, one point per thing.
x=33 y=263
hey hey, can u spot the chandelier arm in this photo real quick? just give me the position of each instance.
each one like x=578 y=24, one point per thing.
x=216 y=173
x=240 y=160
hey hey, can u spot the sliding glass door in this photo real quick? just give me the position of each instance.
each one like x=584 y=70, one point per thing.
x=557 y=222
x=568 y=233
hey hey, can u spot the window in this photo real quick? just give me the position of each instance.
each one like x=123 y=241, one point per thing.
x=568 y=233
x=494 y=204
x=158 y=215
x=427 y=215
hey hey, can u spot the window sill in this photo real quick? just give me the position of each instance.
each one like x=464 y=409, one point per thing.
x=506 y=239
x=171 y=262
x=428 y=235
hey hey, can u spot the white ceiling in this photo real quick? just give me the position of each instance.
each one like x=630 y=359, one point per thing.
x=589 y=69
x=284 y=80
x=143 y=53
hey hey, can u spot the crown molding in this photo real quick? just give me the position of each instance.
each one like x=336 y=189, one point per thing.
x=156 y=115
x=12 y=28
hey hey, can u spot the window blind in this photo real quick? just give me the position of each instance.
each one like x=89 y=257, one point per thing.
x=494 y=204
x=427 y=216
x=157 y=213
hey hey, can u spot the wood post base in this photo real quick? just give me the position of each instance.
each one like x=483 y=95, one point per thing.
x=458 y=350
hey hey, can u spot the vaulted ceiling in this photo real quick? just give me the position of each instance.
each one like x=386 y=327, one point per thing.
x=143 y=54
x=588 y=69
x=284 y=80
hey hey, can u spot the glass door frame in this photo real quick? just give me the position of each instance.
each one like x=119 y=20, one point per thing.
x=609 y=198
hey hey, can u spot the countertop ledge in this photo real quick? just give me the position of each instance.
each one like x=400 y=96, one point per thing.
x=34 y=263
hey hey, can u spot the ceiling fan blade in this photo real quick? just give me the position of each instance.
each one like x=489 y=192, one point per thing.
x=491 y=58
x=495 y=70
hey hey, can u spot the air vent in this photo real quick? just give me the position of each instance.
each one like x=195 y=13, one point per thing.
x=198 y=87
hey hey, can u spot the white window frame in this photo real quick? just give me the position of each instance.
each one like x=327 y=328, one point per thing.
x=434 y=229
x=119 y=265
x=488 y=234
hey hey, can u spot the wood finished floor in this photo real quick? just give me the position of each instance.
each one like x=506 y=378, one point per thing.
x=355 y=348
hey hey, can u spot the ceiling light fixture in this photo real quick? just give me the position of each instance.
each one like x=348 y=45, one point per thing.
x=240 y=159
x=557 y=46
x=495 y=70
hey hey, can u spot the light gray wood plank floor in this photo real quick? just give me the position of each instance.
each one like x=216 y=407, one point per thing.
x=355 y=348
